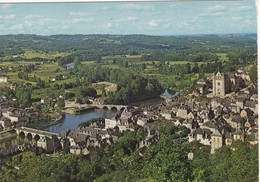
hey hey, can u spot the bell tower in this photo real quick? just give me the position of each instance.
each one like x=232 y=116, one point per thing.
x=219 y=84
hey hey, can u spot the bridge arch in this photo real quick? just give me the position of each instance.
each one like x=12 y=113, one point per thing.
x=105 y=108
x=122 y=109
x=37 y=137
x=29 y=136
x=22 y=134
x=113 y=108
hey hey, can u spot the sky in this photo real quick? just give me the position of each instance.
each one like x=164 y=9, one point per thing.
x=152 y=18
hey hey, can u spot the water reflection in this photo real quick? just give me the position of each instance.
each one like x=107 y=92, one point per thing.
x=71 y=122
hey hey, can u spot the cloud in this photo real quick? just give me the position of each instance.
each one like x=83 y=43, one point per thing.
x=131 y=18
x=237 y=18
x=105 y=8
x=242 y=8
x=28 y=17
x=216 y=8
x=77 y=14
x=166 y=25
x=218 y=14
x=65 y=26
x=108 y=25
x=17 y=27
x=9 y=17
x=38 y=22
x=82 y=20
x=1 y=26
x=153 y=24
x=136 y=6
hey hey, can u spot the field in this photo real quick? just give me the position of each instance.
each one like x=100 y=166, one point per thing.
x=29 y=54
x=109 y=87
x=49 y=69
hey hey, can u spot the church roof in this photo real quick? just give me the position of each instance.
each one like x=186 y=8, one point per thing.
x=216 y=133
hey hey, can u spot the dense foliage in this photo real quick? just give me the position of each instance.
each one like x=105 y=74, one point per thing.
x=90 y=121
x=121 y=162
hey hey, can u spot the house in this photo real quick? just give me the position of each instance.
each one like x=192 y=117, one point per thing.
x=240 y=102
x=46 y=100
x=253 y=139
x=252 y=105
x=202 y=86
x=182 y=112
x=15 y=115
x=110 y=123
x=167 y=114
x=130 y=112
x=48 y=144
x=245 y=113
x=52 y=78
x=236 y=121
x=75 y=150
x=3 y=79
x=238 y=135
x=201 y=135
x=228 y=138
x=65 y=76
x=5 y=122
x=216 y=141
x=149 y=140
x=190 y=155
x=99 y=101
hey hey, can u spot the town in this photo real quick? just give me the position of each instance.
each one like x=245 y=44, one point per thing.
x=221 y=109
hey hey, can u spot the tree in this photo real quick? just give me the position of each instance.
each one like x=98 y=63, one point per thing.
x=253 y=74
x=37 y=107
x=61 y=103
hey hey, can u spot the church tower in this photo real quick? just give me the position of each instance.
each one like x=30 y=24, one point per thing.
x=216 y=141
x=219 y=85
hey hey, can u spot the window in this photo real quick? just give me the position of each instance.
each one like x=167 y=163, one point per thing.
x=219 y=83
x=218 y=139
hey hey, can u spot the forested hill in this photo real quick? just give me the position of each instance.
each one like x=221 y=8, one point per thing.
x=124 y=44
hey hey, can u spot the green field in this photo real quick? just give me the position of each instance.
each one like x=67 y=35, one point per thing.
x=29 y=54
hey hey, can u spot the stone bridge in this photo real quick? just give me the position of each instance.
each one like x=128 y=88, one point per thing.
x=35 y=132
x=110 y=107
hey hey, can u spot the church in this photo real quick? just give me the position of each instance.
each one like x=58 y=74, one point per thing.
x=222 y=83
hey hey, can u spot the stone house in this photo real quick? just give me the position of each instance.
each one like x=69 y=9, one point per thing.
x=201 y=135
x=183 y=112
x=3 y=79
x=216 y=141
x=235 y=121
x=238 y=135
x=245 y=113
x=110 y=123
x=5 y=122
x=228 y=138
x=240 y=102
x=202 y=86
x=252 y=105
x=15 y=115
x=48 y=144
x=75 y=150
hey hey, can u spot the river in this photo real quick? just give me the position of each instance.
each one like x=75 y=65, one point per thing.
x=71 y=122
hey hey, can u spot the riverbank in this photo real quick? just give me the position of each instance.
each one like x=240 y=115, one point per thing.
x=74 y=111
x=4 y=135
x=43 y=125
